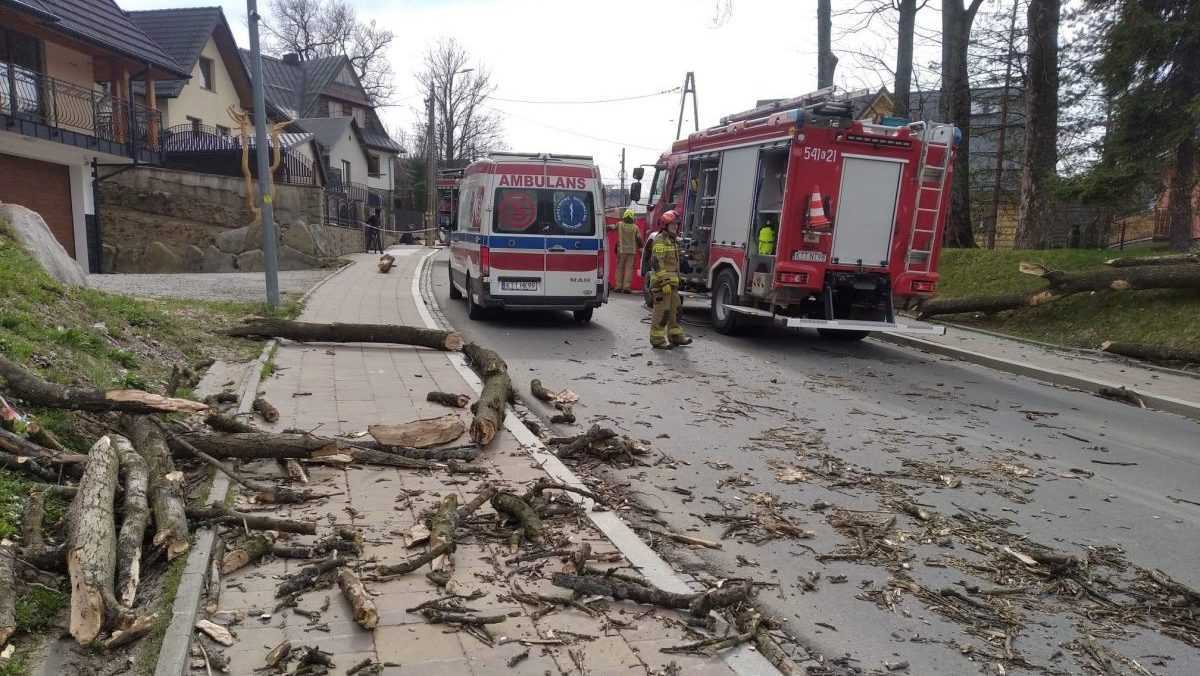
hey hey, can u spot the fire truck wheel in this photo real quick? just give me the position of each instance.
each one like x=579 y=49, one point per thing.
x=474 y=311
x=845 y=336
x=584 y=316
x=455 y=294
x=725 y=293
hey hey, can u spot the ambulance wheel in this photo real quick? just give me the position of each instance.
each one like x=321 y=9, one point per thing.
x=842 y=335
x=455 y=294
x=583 y=316
x=474 y=311
x=724 y=294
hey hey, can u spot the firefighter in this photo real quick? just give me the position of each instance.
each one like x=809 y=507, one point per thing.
x=766 y=239
x=629 y=243
x=664 y=285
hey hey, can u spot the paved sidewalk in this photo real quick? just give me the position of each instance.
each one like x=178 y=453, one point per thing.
x=340 y=389
x=1165 y=389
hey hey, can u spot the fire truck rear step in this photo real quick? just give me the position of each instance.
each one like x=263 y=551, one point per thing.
x=907 y=326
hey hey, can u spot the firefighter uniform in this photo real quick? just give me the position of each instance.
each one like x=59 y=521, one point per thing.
x=766 y=240
x=629 y=243
x=664 y=285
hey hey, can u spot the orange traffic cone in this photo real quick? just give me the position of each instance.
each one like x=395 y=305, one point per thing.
x=816 y=210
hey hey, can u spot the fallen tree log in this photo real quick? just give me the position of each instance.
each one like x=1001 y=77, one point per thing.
x=137 y=629
x=222 y=422
x=136 y=516
x=247 y=551
x=32 y=518
x=448 y=399
x=442 y=529
x=1152 y=352
x=304 y=332
x=27 y=448
x=27 y=466
x=28 y=386
x=92 y=546
x=278 y=495
x=493 y=400
x=1136 y=261
x=513 y=506
x=217 y=513
x=540 y=392
x=306 y=576
x=365 y=612
x=464 y=453
x=18 y=424
x=386 y=262
x=422 y=433
x=411 y=564
x=266 y=409
x=271 y=446
x=8 y=592
x=165 y=485
x=985 y=304
x=698 y=604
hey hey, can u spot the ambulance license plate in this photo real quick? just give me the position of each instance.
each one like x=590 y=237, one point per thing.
x=522 y=285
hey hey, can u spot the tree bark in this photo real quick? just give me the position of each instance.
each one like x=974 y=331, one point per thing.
x=8 y=592
x=278 y=495
x=1183 y=189
x=985 y=304
x=464 y=453
x=20 y=446
x=956 y=108
x=442 y=529
x=306 y=576
x=216 y=513
x=826 y=61
x=28 y=386
x=136 y=514
x=1152 y=352
x=92 y=545
x=1035 y=211
x=271 y=446
x=266 y=409
x=248 y=550
x=520 y=511
x=422 y=433
x=165 y=484
x=348 y=333
x=902 y=91
x=228 y=423
x=540 y=392
x=448 y=399
x=139 y=628
x=31 y=523
x=27 y=466
x=365 y=612
x=699 y=604
x=386 y=262
x=1138 y=261
x=408 y=566
x=493 y=400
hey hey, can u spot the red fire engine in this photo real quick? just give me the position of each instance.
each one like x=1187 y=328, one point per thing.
x=854 y=214
x=447 y=197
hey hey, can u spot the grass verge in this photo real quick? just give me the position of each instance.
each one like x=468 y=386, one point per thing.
x=1166 y=317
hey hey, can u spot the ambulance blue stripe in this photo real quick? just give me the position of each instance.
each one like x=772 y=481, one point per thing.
x=526 y=242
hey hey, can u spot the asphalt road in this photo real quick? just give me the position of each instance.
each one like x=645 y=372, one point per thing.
x=774 y=422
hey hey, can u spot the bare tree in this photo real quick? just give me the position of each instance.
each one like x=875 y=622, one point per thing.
x=1041 y=123
x=314 y=29
x=905 y=11
x=465 y=128
x=826 y=61
x=957 y=20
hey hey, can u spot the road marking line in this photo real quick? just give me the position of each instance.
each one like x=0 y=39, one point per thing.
x=742 y=660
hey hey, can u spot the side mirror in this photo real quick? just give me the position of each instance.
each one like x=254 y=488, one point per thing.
x=638 y=173
x=635 y=190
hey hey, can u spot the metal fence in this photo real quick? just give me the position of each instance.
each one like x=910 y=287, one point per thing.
x=208 y=149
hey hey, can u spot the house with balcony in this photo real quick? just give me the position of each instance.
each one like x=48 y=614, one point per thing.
x=325 y=98
x=68 y=110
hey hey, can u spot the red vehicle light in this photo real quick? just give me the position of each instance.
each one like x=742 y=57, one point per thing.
x=601 y=258
x=923 y=286
x=793 y=278
x=485 y=260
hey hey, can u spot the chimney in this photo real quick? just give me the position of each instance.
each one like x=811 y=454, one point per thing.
x=291 y=59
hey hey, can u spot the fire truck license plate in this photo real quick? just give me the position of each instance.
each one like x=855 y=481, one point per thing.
x=518 y=286
x=810 y=256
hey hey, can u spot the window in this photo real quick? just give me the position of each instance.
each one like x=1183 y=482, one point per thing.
x=346 y=77
x=222 y=131
x=551 y=212
x=206 y=74
x=677 y=180
x=196 y=123
x=345 y=171
x=373 y=166
x=24 y=52
x=656 y=187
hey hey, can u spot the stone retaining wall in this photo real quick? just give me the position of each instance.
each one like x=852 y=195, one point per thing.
x=165 y=220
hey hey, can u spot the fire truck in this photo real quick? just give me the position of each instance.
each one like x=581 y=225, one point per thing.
x=855 y=213
x=446 y=185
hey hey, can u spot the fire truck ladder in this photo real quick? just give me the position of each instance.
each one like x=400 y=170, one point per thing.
x=931 y=181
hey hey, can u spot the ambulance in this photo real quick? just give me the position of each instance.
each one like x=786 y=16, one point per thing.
x=530 y=235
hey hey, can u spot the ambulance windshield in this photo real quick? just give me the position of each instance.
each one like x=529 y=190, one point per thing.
x=533 y=211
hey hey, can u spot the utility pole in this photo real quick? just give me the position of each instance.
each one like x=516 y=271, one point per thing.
x=430 y=161
x=689 y=87
x=624 y=200
x=1012 y=32
x=267 y=212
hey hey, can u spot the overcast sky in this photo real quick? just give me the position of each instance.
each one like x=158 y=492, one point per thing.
x=572 y=50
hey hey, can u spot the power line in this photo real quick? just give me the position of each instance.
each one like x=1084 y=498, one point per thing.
x=663 y=92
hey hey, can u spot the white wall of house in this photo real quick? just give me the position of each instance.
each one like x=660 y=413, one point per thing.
x=208 y=106
x=348 y=149
x=386 y=179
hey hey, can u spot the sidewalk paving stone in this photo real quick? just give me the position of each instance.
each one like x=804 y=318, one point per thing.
x=341 y=389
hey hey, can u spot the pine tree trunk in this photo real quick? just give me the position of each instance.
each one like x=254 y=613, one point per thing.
x=136 y=515
x=165 y=485
x=1035 y=211
x=902 y=93
x=1183 y=188
x=92 y=545
x=956 y=108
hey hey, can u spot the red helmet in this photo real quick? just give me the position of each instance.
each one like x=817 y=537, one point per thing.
x=668 y=218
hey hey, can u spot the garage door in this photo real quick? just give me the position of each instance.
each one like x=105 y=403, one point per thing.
x=44 y=188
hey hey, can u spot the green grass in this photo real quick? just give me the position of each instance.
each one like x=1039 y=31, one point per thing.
x=1159 y=317
x=38 y=608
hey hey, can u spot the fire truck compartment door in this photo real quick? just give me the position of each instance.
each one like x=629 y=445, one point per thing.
x=735 y=196
x=865 y=215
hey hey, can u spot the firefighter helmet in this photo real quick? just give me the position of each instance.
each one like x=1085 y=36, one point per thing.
x=628 y=216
